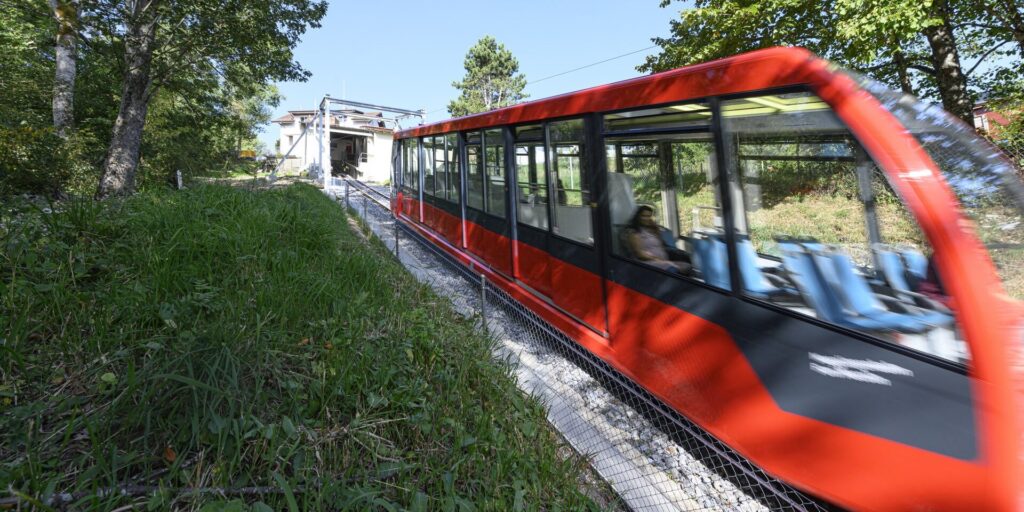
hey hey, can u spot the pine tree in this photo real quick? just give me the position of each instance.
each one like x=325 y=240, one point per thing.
x=492 y=80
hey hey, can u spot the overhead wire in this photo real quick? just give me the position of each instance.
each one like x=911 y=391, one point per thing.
x=571 y=71
x=590 y=65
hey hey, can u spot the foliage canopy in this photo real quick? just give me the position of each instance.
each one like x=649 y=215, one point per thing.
x=951 y=50
x=492 y=80
x=206 y=96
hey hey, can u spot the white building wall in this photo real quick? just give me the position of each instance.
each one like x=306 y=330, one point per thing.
x=377 y=167
x=304 y=152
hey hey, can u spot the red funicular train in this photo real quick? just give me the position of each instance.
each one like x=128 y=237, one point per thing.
x=822 y=273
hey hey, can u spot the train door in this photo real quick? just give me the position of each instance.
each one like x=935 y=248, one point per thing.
x=488 y=233
x=575 y=270
x=431 y=185
x=454 y=223
x=461 y=149
x=556 y=254
x=410 y=204
x=418 y=170
x=441 y=200
x=532 y=267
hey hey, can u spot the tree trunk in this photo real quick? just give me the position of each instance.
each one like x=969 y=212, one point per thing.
x=951 y=79
x=126 y=141
x=66 y=13
x=900 y=61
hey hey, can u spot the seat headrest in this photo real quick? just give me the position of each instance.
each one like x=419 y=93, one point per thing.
x=620 y=196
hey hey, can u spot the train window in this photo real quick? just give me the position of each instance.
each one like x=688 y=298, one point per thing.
x=531 y=177
x=494 y=172
x=396 y=165
x=687 y=115
x=403 y=148
x=665 y=205
x=985 y=183
x=820 y=232
x=452 y=156
x=428 y=166
x=474 y=172
x=572 y=205
x=412 y=173
x=440 y=168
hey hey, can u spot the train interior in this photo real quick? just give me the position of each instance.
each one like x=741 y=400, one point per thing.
x=816 y=228
x=570 y=208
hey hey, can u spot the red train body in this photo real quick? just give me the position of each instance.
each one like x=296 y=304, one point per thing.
x=849 y=404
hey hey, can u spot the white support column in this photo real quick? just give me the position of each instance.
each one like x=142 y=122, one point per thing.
x=325 y=141
x=305 y=147
x=319 y=142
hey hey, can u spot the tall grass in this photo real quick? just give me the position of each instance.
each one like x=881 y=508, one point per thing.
x=219 y=344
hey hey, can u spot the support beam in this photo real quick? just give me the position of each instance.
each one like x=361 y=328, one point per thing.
x=325 y=142
x=371 y=106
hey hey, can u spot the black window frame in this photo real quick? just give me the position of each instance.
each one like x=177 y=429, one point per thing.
x=468 y=143
x=501 y=156
x=607 y=228
x=535 y=169
x=411 y=176
x=453 y=167
x=586 y=176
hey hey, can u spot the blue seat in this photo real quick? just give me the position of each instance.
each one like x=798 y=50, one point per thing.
x=667 y=238
x=839 y=297
x=917 y=263
x=755 y=282
x=802 y=269
x=893 y=270
x=854 y=293
x=711 y=261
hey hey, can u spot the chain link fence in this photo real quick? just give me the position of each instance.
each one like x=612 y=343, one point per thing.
x=1011 y=145
x=651 y=456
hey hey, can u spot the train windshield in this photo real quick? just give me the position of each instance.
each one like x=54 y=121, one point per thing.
x=986 y=184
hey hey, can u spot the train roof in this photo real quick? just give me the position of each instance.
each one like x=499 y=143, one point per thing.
x=751 y=71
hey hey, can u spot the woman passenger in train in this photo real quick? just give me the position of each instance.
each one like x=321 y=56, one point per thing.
x=644 y=241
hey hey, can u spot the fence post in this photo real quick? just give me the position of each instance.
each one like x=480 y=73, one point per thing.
x=483 y=301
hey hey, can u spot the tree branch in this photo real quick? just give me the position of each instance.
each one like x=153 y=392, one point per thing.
x=976 y=24
x=924 y=69
x=983 y=57
x=877 y=67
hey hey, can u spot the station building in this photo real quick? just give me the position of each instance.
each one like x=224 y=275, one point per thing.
x=360 y=143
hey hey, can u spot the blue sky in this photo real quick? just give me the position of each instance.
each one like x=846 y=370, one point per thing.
x=407 y=53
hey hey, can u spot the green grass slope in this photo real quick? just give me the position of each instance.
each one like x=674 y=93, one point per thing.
x=219 y=348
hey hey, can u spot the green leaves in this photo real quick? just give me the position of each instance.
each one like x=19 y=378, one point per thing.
x=492 y=79
x=890 y=41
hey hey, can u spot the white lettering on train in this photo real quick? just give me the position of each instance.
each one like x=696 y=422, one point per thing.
x=860 y=370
